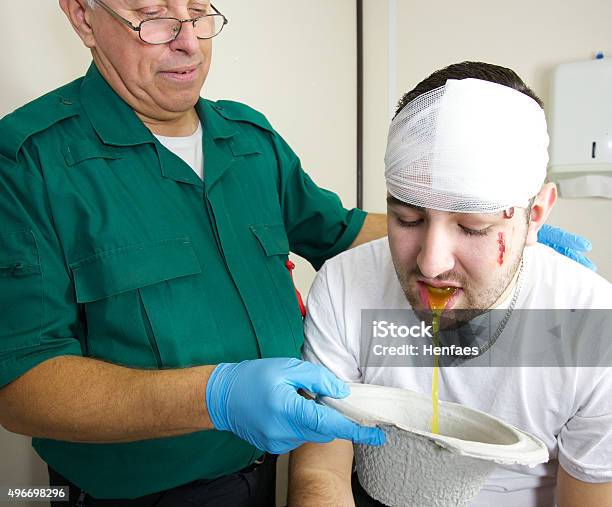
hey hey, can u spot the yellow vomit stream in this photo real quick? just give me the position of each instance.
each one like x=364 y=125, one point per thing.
x=438 y=299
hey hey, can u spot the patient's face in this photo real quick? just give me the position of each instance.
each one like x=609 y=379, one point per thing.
x=477 y=253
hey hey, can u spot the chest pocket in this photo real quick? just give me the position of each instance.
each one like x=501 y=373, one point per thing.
x=131 y=297
x=273 y=240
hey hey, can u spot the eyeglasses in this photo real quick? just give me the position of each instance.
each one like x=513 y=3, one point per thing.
x=163 y=30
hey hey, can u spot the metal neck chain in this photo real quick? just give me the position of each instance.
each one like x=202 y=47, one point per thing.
x=504 y=321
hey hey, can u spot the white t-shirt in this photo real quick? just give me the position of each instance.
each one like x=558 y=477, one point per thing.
x=570 y=409
x=188 y=148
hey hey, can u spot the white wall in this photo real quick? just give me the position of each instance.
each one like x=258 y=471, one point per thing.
x=529 y=37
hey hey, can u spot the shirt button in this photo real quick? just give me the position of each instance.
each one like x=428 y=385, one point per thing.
x=66 y=102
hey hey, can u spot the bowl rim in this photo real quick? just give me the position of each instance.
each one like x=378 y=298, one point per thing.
x=527 y=450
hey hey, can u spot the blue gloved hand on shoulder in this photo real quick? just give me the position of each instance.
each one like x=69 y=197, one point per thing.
x=258 y=401
x=567 y=244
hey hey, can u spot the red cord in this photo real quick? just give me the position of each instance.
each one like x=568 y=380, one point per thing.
x=290 y=267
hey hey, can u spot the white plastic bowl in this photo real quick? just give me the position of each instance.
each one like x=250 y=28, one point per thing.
x=419 y=468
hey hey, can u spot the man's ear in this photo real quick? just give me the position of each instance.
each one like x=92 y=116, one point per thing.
x=542 y=205
x=79 y=16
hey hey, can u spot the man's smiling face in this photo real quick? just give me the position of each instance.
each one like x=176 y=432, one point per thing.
x=159 y=82
x=478 y=254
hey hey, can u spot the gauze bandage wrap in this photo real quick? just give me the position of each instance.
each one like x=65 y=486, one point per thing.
x=470 y=146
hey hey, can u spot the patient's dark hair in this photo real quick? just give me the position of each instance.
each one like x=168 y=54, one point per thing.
x=465 y=70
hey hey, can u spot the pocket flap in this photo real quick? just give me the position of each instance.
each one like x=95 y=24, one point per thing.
x=241 y=146
x=272 y=238
x=124 y=269
x=85 y=150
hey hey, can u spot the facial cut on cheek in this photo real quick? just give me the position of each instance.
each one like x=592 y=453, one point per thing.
x=501 y=242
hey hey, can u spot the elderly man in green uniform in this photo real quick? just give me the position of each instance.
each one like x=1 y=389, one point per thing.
x=149 y=324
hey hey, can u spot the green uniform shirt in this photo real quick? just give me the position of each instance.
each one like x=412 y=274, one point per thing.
x=111 y=247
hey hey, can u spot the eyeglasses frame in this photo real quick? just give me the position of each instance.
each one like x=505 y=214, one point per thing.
x=129 y=24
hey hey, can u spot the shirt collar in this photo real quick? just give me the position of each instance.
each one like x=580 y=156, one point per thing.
x=112 y=118
x=213 y=122
x=117 y=124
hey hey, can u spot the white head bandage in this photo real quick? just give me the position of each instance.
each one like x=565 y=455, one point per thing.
x=470 y=146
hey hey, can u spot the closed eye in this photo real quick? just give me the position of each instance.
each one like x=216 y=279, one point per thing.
x=147 y=15
x=475 y=232
x=413 y=223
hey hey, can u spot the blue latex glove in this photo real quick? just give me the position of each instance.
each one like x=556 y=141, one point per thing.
x=567 y=244
x=258 y=401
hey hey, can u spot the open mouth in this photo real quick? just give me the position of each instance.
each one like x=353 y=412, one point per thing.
x=441 y=297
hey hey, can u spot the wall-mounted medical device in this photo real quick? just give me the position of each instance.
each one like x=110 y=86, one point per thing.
x=580 y=127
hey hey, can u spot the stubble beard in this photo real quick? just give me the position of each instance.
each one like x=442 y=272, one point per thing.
x=475 y=300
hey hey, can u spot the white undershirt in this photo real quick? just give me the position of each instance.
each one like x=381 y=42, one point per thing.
x=188 y=148
x=570 y=409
